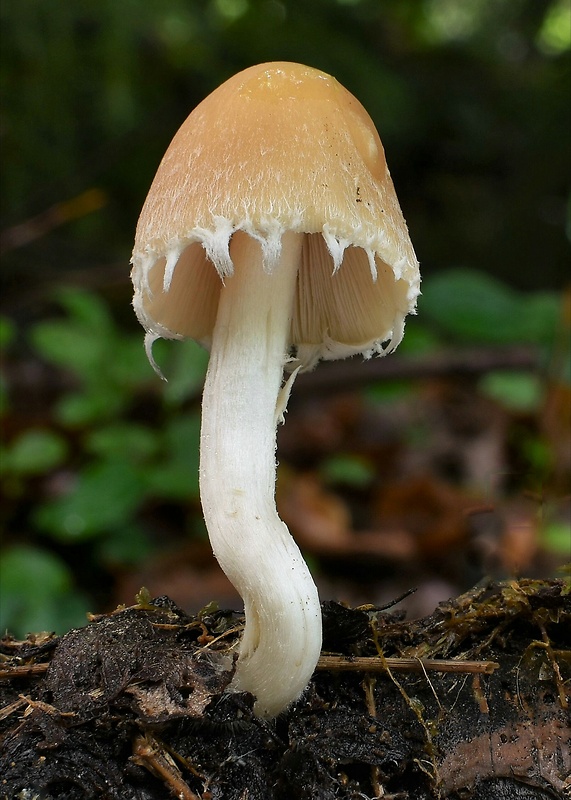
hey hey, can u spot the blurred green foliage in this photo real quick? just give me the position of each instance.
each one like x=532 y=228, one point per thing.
x=113 y=445
x=471 y=103
x=96 y=461
x=37 y=592
x=474 y=307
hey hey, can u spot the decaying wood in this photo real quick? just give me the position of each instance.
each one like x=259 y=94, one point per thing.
x=470 y=703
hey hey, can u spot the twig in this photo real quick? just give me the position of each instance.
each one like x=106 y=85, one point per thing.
x=8 y=710
x=374 y=664
x=554 y=665
x=147 y=752
x=58 y=214
x=369 y=688
x=334 y=377
x=45 y=708
x=23 y=670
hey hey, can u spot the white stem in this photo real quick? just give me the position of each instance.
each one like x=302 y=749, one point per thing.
x=282 y=638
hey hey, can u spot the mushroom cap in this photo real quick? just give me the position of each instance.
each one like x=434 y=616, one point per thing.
x=278 y=147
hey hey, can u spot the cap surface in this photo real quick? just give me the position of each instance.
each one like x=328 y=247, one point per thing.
x=278 y=147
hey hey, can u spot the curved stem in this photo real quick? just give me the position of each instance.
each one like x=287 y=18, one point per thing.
x=282 y=637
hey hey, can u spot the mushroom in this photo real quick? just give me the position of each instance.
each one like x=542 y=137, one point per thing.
x=273 y=236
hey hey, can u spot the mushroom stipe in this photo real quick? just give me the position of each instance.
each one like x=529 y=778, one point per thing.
x=273 y=236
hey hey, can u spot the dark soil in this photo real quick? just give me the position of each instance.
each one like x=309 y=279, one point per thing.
x=133 y=707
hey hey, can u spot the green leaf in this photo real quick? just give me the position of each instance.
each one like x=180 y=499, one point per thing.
x=87 y=308
x=176 y=476
x=132 y=442
x=183 y=364
x=541 y=314
x=127 y=364
x=349 y=470
x=537 y=452
x=35 y=452
x=516 y=391
x=71 y=346
x=389 y=392
x=171 y=480
x=128 y=546
x=185 y=371
x=556 y=537
x=7 y=332
x=474 y=307
x=470 y=305
x=418 y=339
x=182 y=437
x=97 y=404
x=105 y=497
x=37 y=593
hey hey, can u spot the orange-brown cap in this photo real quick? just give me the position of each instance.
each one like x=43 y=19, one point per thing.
x=278 y=147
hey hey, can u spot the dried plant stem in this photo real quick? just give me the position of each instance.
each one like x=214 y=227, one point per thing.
x=374 y=664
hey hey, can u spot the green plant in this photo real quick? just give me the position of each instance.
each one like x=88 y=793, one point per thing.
x=91 y=486
x=113 y=442
x=37 y=592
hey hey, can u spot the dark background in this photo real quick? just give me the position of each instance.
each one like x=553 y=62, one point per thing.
x=472 y=104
